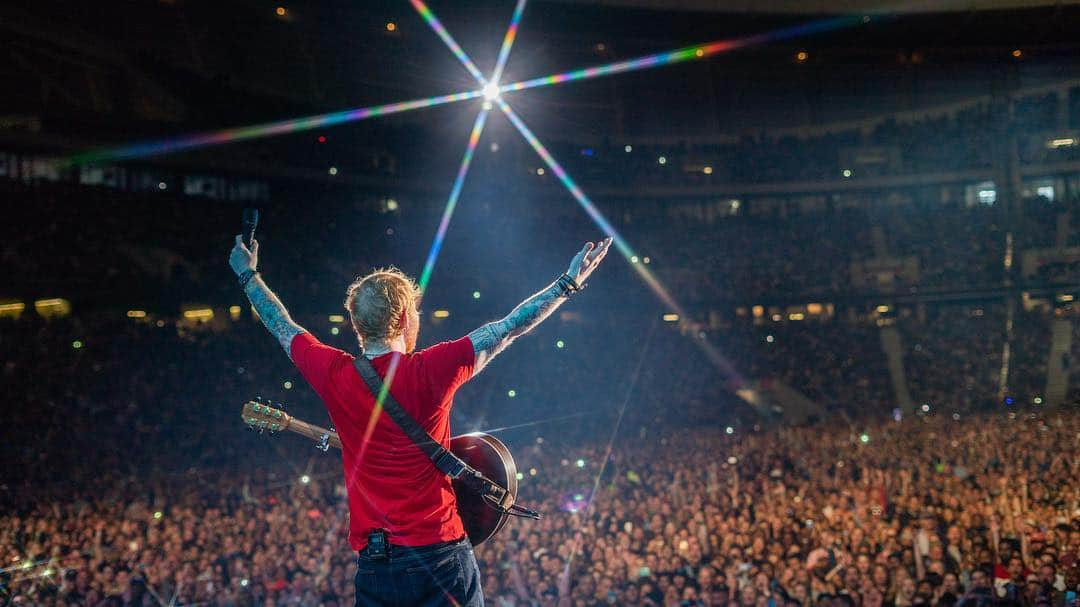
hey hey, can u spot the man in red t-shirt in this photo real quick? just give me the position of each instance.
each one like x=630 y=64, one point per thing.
x=392 y=485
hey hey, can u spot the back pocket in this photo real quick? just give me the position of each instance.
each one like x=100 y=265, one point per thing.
x=438 y=581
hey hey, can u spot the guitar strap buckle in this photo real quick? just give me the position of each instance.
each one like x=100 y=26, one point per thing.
x=449 y=464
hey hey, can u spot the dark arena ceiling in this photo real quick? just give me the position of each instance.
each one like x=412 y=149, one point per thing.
x=820 y=7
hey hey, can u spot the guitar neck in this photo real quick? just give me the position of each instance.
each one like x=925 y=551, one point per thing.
x=314 y=432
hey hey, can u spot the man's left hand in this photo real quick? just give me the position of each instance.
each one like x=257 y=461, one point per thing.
x=242 y=259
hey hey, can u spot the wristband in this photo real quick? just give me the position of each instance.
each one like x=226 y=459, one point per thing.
x=246 y=276
x=568 y=285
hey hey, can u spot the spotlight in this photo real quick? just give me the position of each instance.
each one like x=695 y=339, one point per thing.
x=476 y=294
x=391 y=204
x=707 y=170
x=801 y=56
x=511 y=393
x=580 y=463
x=491 y=91
x=280 y=11
x=729 y=430
x=332 y=171
x=628 y=148
x=322 y=138
x=162 y=185
x=391 y=26
x=540 y=171
x=287 y=385
x=1017 y=53
x=560 y=344
x=864 y=438
x=305 y=479
x=662 y=160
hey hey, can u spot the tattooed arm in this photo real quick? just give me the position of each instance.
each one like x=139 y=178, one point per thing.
x=491 y=339
x=271 y=311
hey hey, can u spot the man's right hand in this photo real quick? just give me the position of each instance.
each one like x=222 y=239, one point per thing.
x=587 y=259
x=241 y=259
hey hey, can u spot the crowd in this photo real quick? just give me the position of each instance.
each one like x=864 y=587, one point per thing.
x=758 y=251
x=963 y=139
x=927 y=510
x=129 y=479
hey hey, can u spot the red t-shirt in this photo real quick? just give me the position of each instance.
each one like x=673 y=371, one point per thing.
x=393 y=485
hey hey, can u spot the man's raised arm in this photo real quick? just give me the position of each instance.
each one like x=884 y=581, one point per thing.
x=271 y=311
x=490 y=339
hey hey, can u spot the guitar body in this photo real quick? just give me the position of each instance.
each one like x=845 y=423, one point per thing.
x=490 y=457
x=483 y=452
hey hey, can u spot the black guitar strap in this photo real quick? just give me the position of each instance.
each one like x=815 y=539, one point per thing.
x=494 y=495
x=444 y=460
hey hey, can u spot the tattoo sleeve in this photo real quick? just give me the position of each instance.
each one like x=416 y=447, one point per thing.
x=491 y=339
x=272 y=313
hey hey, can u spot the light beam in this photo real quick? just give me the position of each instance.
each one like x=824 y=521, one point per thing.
x=688 y=53
x=451 y=202
x=508 y=42
x=452 y=44
x=209 y=138
x=621 y=244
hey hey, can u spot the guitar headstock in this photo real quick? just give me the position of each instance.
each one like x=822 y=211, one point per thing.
x=263 y=416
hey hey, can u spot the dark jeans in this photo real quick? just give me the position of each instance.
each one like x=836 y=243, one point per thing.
x=428 y=576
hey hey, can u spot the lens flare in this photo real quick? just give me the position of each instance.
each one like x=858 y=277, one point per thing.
x=621 y=244
x=605 y=226
x=688 y=53
x=508 y=42
x=198 y=140
x=451 y=202
x=436 y=25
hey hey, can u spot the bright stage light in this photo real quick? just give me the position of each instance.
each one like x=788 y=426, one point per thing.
x=491 y=91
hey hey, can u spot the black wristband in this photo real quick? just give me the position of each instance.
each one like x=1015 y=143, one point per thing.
x=246 y=276
x=567 y=285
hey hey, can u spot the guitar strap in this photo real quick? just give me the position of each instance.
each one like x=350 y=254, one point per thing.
x=446 y=462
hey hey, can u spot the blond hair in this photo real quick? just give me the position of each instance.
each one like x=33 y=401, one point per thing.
x=375 y=303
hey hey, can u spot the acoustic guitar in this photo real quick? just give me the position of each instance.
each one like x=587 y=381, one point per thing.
x=485 y=453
